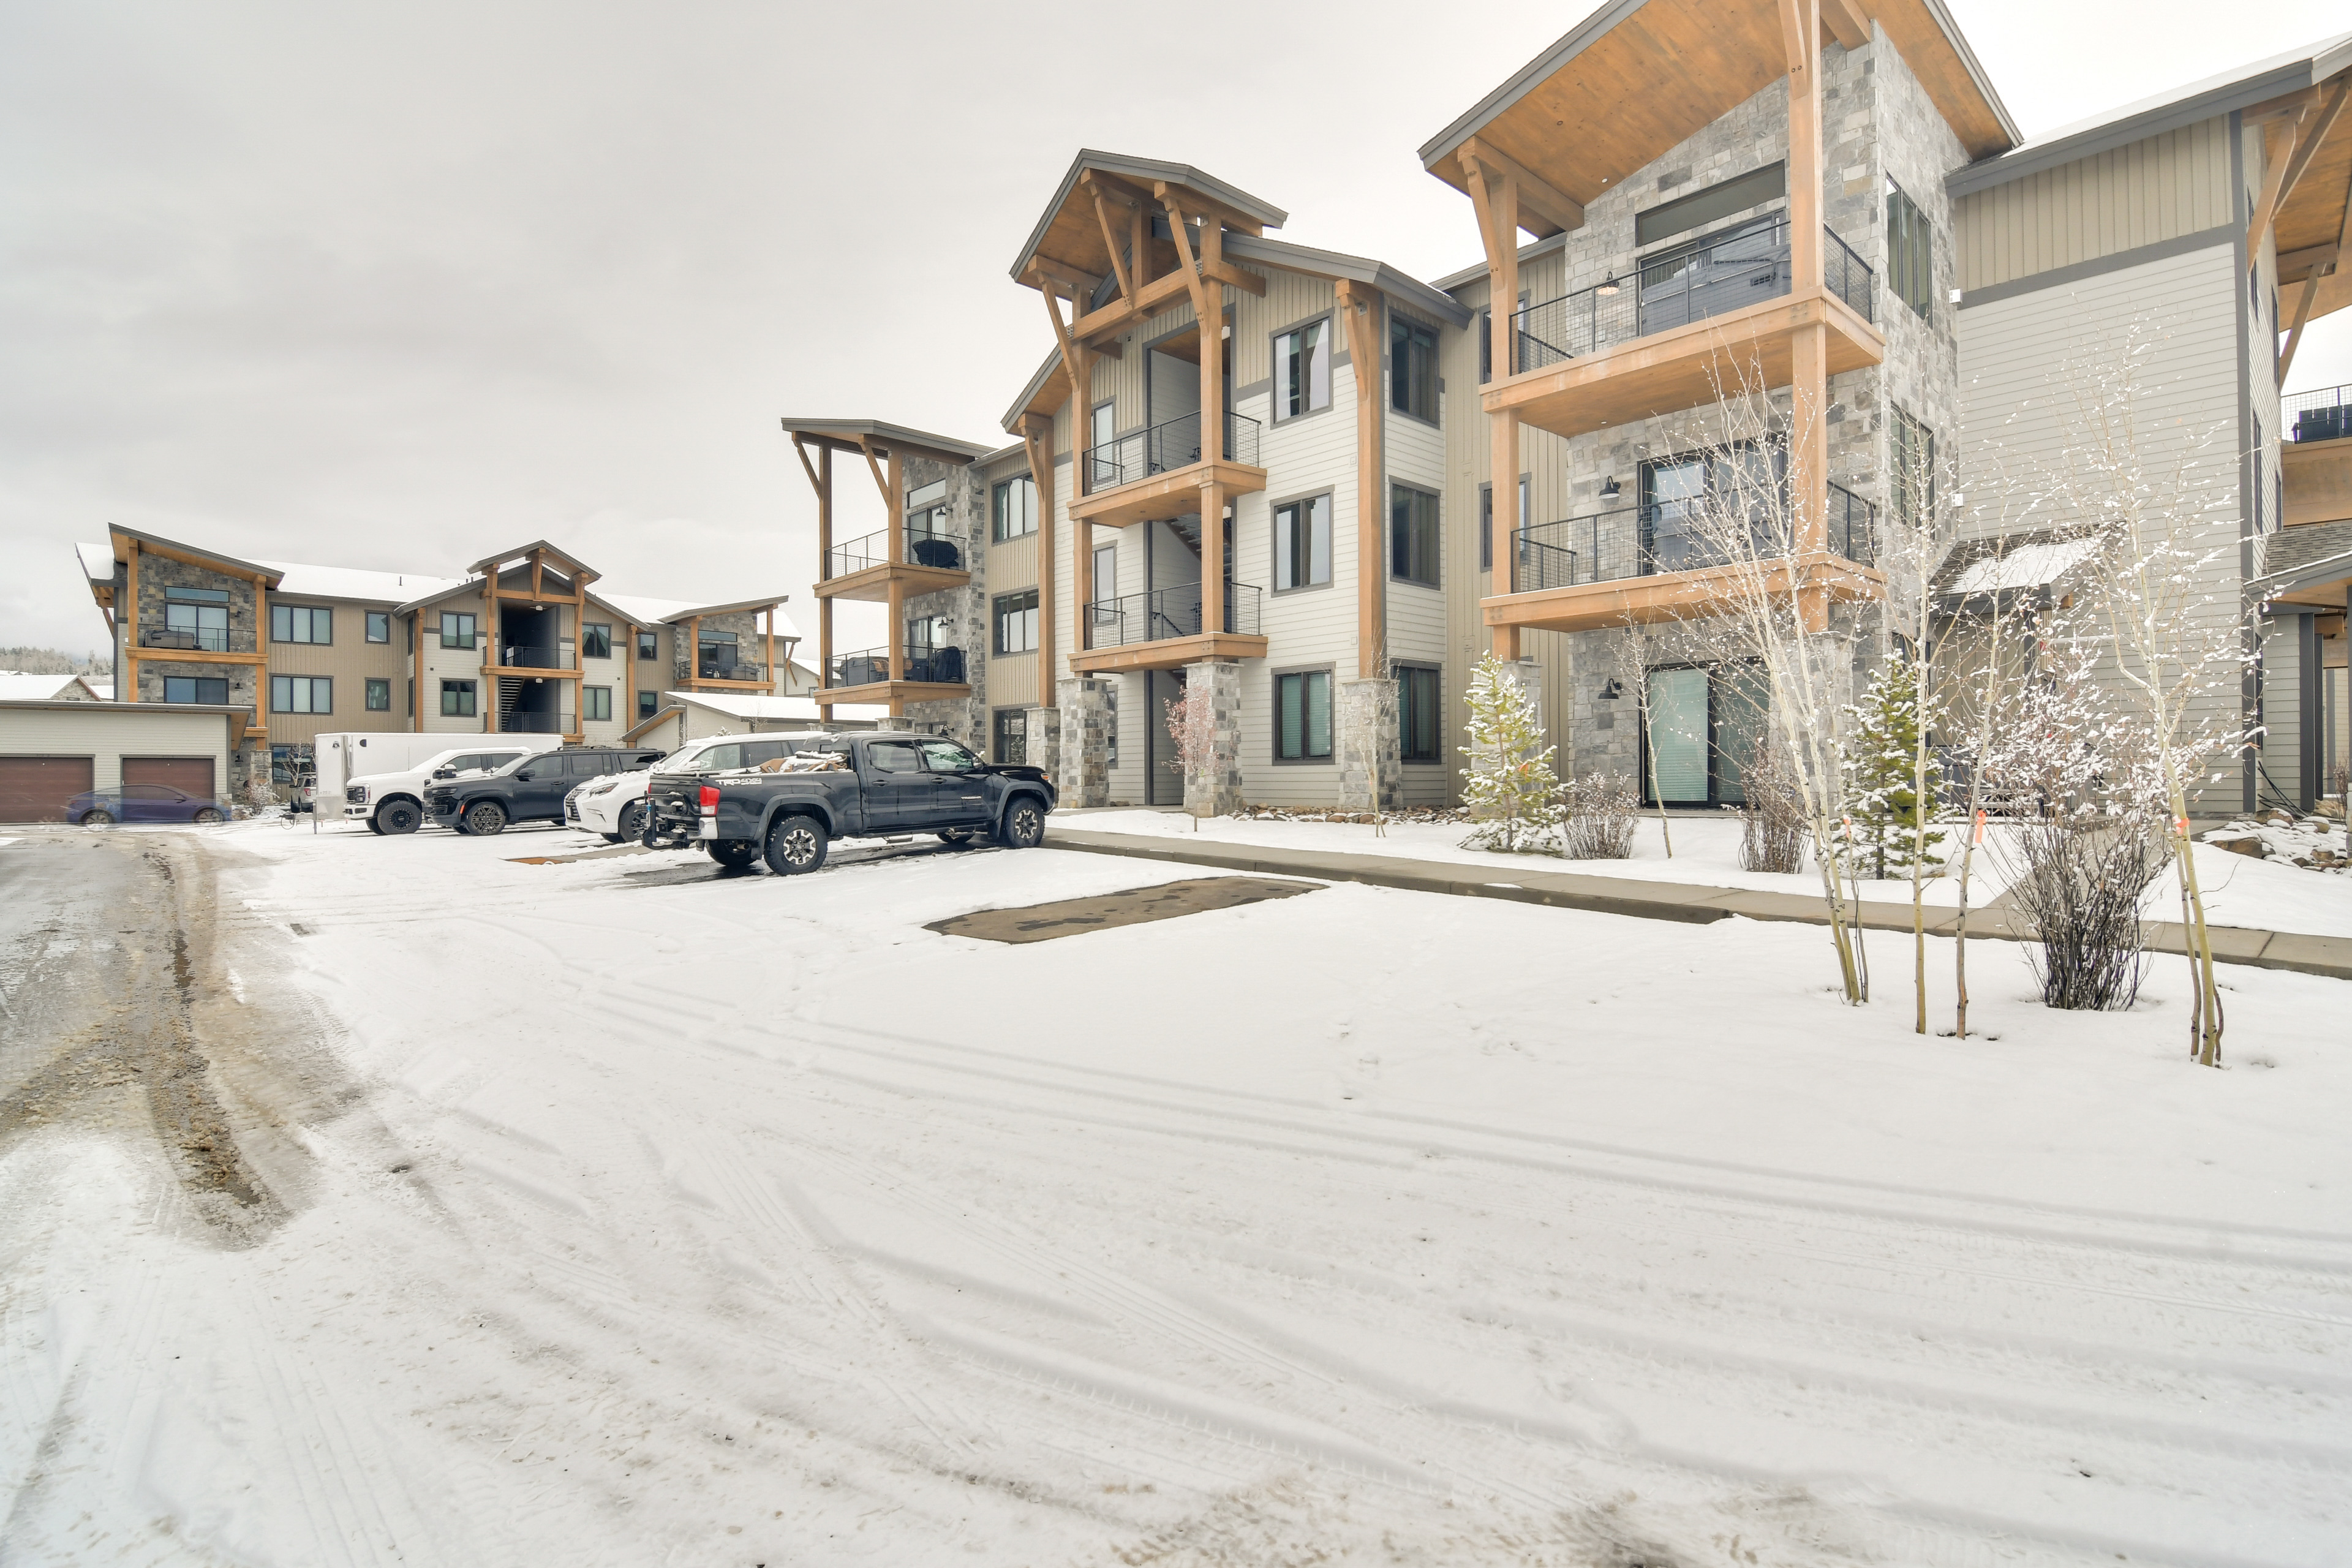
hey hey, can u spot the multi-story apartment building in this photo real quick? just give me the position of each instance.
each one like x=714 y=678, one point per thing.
x=1822 y=202
x=528 y=640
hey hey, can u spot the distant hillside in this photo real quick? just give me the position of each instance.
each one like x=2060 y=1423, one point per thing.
x=50 y=661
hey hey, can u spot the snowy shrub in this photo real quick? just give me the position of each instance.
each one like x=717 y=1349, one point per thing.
x=1509 y=787
x=1772 y=824
x=2082 y=881
x=1880 y=761
x=1600 y=821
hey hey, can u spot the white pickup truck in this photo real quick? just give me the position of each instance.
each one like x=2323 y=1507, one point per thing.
x=395 y=803
x=613 y=807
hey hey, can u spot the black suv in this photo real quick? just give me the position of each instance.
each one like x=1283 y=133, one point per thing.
x=529 y=789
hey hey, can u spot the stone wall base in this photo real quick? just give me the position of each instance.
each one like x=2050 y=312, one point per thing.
x=1042 y=739
x=1212 y=787
x=1087 y=716
x=1371 y=772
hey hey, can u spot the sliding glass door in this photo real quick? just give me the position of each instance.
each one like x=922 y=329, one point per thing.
x=1706 y=724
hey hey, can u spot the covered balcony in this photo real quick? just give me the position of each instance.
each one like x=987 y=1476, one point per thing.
x=1164 y=628
x=862 y=568
x=1638 y=564
x=1681 y=328
x=1158 y=473
x=928 y=673
x=2315 y=458
x=562 y=654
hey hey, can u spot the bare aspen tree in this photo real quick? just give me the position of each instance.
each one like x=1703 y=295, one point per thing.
x=1911 y=542
x=1632 y=676
x=2155 y=495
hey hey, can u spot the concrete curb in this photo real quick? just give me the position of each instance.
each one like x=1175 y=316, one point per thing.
x=2328 y=956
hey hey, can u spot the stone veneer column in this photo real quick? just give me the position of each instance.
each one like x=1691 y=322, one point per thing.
x=1041 y=739
x=1214 y=789
x=1371 y=772
x=1087 y=720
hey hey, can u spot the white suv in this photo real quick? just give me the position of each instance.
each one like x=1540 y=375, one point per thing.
x=613 y=807
x=395 y=803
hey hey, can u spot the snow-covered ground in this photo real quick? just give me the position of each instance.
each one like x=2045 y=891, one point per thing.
x=2240 y=892
x=637 y=1217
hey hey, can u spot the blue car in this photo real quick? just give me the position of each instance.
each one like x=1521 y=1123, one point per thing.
x=142 y=802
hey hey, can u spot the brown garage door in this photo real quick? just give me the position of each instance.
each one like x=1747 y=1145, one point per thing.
x=35 y=789
x=192 y=776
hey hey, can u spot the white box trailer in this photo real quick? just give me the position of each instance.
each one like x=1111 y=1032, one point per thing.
x=342 y=757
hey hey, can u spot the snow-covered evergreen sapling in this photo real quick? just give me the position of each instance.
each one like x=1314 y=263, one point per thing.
x=1882 y=775
x=1509 y=787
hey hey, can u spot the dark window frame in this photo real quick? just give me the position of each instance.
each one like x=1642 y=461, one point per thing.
x=1743 y=192
x=589 y=696
x=469 y=632
x=595 y=639
x=648 y=645
x=460 y=699
x=1910 y=441
x=997 y=606
x=1407 y=674
x=1910 y=253
x=1276 y=391
x=648 y=704
x=378 y=619
x=1009 y=724
x=308 y=617
x=1328 y=758
x=1434 y=549
x=1331 y=543
x=1407 y=365
x=196 y=683
x=1001 y=492
x=377 y=686
x=315 y=682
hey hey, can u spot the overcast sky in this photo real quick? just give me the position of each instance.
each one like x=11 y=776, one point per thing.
x=393 y=286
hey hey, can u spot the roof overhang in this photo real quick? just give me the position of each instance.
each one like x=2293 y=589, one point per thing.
x=122 y=539
x=858 y=435
x=1638 y=78
x=1069 y=243
x=767 y=602
x=572 y=566
x=1335 y=266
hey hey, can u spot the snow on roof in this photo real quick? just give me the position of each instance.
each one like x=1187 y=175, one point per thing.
x=19 y=687
x=356 y=583
x=648 y=612
x=2027 y=566
x=736 y=706
x=97 y=561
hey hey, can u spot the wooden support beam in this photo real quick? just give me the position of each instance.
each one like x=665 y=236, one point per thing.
x=1047 y=267
x=1359 y=313
x=1037 y=436
x=771 y=649
x=629 y=674
x=538 y=574
x=2313 y=140
x=2295 y=332
x=823 y=478
x=1212 y=558
x=873 y=466
x=129 y=682
x=1223 y=272
x=1213 y=396
x=1845 y=23
x=486 y=707
x=897 y=539
x=2281 y=131
x=1538 y=197
x=1208 y=208
x=1801 y=29
x=417 y=674
x=1119 y=265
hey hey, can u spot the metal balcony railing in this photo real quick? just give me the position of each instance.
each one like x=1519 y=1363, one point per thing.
x=1173 y=444
x=1165 y=612
x=708 y=668
x=561 y=655
x=2323 y=416
x=924 y=548
x=546 y=723
x=1649 y=541
x=868 y=666
x=1675 y=288
x=199 y=639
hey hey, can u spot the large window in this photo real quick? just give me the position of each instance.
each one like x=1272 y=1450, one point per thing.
x=1706 y=726
x=1912 y=447
x=379 y=625
x=649 y=644
x=1417 y=713
x=1302 y=716
x=1302 y=543
x=1011 y=735
x=1302 y=370
x=302 y=694
x=1412 y=369
x=1012 y=508
x=301 y=623
x=1910 y=247
x=379 y=696
x=1412 y=535
x=1486 y=521
x=595 y=703
x=647 y=705
x=1014 y=618
x=1737 y=195
x=456 y=699
x=200 y=615
x=596 y=641
x=195 y=688
x=456 y=631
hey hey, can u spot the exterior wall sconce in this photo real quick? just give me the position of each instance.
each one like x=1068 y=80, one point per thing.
x=1609 y=489
x=1611 y=689
x=1608 y=285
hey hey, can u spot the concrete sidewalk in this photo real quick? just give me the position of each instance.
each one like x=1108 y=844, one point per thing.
x=2324 y=955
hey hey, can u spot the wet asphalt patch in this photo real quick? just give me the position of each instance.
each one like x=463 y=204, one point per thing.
x=1135 y=906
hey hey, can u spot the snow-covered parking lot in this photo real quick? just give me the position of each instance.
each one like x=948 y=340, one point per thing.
x=617 y=1212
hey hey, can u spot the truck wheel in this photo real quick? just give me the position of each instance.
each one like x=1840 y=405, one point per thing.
x=396 y=817
x=795 y=845
x=1023 y=826
x=485 y=817
x=732 y=853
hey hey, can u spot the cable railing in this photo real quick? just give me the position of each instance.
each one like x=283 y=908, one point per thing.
x=1160 y=614
x=871 y=667
x=714 y=666
x=924 y=548
x=561 y=655
x=196 y=639
x=1673 y=288
x=1652 y=539
x=2322 y=415
x=1175 y=444
x=542 y=723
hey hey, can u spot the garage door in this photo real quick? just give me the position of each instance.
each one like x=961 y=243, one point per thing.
x=192 y=776
x=35 y=789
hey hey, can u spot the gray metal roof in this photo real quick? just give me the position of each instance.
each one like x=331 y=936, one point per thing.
x=1144 y=171
x=1585 y=33
x=2305 y=554
x=887 y=435
x=1356 y=269
x=1029 y=391
x=2217 y=95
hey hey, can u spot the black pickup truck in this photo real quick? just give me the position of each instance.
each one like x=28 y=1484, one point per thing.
x=879 y=785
